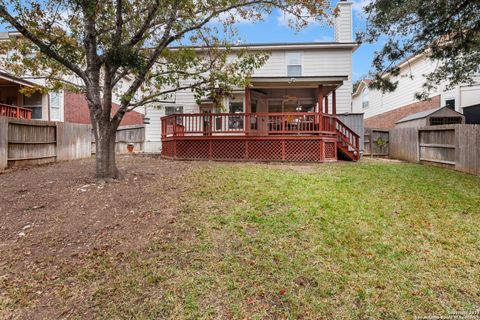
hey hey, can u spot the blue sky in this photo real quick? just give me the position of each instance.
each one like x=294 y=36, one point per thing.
x=275 y=29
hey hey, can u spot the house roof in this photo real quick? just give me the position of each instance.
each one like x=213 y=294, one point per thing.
x=363 y=83
x=283 y=46
x=424 y=114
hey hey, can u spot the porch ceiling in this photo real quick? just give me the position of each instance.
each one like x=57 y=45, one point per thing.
x=6 y=79
x=329 y=82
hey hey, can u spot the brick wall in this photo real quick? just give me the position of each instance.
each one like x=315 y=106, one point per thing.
x=76 y=111
x=387 y=119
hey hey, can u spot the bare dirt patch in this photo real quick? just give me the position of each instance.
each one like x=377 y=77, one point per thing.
x=53 y=215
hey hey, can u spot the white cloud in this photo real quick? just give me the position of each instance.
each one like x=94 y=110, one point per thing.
x=285 y=17
x=359 y=5
x=325 y=38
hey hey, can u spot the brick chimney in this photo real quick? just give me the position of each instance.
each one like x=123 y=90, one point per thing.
x=343 y=22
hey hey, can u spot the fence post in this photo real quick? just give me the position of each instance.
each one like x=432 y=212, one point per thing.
x=419 y=150
x=3 y=142
x=371 y=143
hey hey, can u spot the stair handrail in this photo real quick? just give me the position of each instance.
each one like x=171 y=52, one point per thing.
x=354 y=142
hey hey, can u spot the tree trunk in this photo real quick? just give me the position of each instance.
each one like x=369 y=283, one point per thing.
x=105 y=134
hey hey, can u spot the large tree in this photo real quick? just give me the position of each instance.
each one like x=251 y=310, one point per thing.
x=95 y=44
x=446 y=31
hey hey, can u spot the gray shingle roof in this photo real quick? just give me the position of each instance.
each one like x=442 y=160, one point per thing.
x=419 y=115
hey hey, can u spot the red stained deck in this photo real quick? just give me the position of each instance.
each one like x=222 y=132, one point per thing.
x=306 y=136
x=15 y=112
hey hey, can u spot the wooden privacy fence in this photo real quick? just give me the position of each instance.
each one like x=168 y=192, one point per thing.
x=131 y=134
x=453 y=146
x=26 y=142
x=376 y=143
x=437 y=146
x=403 y=144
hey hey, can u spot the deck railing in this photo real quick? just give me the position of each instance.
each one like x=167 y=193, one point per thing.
x=15 y=112
x=208 y=126
x=247 y=123
x=258 y=124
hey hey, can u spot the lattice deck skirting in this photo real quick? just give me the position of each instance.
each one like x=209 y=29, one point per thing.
x=258 y=148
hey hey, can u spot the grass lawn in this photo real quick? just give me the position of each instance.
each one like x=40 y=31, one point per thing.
x=373 y=240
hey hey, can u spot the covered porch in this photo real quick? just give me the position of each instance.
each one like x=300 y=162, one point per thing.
x=17 y=105
x=277 y=119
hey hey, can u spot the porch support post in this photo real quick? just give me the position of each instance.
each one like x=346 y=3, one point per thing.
x=248 y=109
x=320 y=106
x=326 y=104
x=247 y=100
x=334 y=103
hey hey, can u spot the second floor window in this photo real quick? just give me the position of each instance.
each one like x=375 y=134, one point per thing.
x=118 y=90
x=172 y=110
x=365 y=98
x=294 y=64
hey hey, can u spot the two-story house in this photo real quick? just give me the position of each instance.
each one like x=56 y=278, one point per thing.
x=291 y=110
x=385 y=109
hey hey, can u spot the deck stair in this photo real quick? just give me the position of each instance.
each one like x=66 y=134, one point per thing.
x=348 y=142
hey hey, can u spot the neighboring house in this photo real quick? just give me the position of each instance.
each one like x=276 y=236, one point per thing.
x=301 y=85
x=433 y=117
x=53 y=106
x=383 y=110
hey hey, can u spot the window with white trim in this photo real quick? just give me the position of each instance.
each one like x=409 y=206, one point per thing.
x=34 y=102
x=294 y=64
x=365 y=98
x=55 y=106
x=118 y=90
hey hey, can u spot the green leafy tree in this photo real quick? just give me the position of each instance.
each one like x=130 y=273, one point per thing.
x=95 y=44
x=446 y=31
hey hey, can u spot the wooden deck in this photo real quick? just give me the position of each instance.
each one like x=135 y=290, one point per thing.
x=15 y=112
x=299 y=136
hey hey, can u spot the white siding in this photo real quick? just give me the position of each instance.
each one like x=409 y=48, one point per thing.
x=464 y=95
x=153 y=130
x=332 y=63
x=343 y=23
x=276 y=66
x=317 y=62
x=470 y=96
x=404 y=94
x=357 y=103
